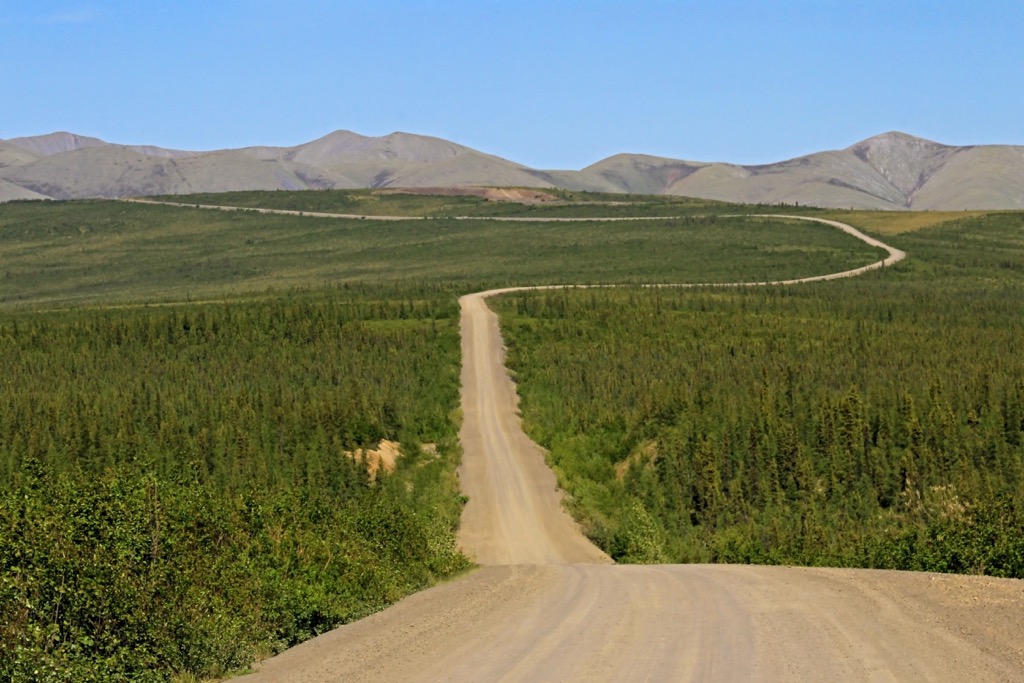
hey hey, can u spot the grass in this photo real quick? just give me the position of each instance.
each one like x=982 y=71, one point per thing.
x=84 y=252
x=899 y=222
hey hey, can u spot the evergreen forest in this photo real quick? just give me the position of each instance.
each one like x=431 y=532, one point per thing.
x=872 y=422
x=187 y=395
x=177 y=490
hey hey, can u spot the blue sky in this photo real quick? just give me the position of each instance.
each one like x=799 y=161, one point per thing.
x=549 y=84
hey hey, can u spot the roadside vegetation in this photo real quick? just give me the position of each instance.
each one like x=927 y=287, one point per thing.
x=182 y=389
x=873 y=422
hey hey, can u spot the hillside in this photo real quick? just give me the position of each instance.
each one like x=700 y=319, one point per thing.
x=892 y=171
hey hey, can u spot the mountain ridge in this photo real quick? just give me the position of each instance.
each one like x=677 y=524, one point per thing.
x=893 y=170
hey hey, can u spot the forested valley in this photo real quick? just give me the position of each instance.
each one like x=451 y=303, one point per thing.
x=181 y=493
x=874 y=422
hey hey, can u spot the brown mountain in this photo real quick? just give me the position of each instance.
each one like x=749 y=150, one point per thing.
x=889 y=171
x=403 y=160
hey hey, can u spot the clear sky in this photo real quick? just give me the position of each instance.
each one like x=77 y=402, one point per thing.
x=556 y=84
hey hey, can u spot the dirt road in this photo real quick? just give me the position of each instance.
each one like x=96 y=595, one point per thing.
x=678 y=623
x=514 y=514
x=548 y=606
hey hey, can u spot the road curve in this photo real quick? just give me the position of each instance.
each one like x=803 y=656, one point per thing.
x=548 y=606
x=894 y=254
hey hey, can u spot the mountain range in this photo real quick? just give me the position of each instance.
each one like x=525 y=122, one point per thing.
x=889 y=171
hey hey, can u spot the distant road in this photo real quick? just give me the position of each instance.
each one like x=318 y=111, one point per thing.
x=547 y=605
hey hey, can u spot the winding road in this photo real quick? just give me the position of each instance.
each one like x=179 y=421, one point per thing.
x=547 y=605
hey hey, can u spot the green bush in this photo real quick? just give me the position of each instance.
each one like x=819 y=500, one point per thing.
x=175 y=496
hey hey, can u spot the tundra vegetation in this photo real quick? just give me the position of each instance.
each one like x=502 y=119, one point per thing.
x=182 y=388
x=103 y=252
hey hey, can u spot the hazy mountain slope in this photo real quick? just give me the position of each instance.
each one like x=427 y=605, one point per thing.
x=989 y=177
x=10 y=192
x=404 y=160
x=116 y=171
x=639 y=173
x=829 y=179
x=12 y=155
x=401 y=160
x=889 y=171
x=579 y=180
x=55 y=143
x=732 y=183
x=904 y=161
x=320 y=152
x=838 y=178
x=466 y=169
x=150 y=150
x=232 y=170
x=59 y=143
x=343 y=147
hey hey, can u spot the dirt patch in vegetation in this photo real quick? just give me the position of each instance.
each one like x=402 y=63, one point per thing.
x=521 y=195
x=385 y=456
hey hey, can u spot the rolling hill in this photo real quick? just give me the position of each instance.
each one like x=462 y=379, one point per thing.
x=890 y=171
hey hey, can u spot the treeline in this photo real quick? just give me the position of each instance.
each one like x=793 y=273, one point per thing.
x=876 y=422
x=176 y=494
